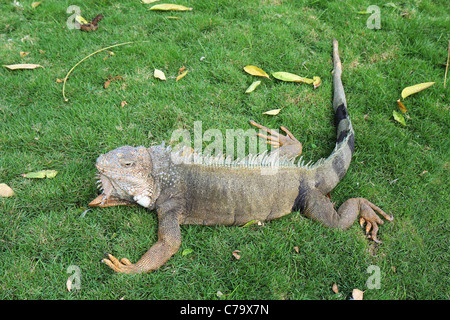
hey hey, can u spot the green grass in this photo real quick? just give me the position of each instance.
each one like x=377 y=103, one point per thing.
x=42 y=233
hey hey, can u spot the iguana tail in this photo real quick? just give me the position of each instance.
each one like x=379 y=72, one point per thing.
x=333 y=169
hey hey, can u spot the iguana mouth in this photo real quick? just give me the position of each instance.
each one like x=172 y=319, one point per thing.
x=107 y=198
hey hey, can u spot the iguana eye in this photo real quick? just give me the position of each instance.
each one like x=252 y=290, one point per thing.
x=128 y=164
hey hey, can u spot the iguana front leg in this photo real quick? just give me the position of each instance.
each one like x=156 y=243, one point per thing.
x=169 y=241
x=288 y=145
x=319 y=207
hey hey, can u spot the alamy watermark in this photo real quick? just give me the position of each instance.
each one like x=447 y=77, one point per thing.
x=74 y=280
x=71 y=21
x=374 y=280
x=238 y=143
x=374 y=20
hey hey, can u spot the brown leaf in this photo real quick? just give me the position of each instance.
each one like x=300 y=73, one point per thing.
x=107 y=83
x=401 y=106
x=236 y=255
x=93 y=25
x=123 y=104
x=296 y=249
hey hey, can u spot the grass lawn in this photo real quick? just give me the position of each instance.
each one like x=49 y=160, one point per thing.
x=402 y=169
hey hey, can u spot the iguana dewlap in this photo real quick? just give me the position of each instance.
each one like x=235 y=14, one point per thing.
x=185 y=188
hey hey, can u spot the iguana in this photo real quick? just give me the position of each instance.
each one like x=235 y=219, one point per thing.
x=184 y=190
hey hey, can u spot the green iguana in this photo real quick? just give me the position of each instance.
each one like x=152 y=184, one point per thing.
x=224 y=192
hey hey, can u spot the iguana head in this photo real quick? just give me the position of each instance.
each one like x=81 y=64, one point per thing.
x=126 y=177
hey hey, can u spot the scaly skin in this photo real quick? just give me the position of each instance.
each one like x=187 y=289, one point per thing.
x=185 y=191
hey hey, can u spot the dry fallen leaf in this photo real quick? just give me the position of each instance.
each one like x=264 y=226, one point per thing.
x=93 y=25
x=335 y=288
x=170 y=7
x=159 y=74
x=59 y=80
x=357 y=294
x=255 y=71
x=123 y=104
x=24 y=54
x=107 y=83
x=401 y=106
x=181 y=76
x=41 y=174
x=236 y=255
x=297 y=249
x=23 y=66
x=69 y=284
x=35 y=4
x=149 y=1
x=273 y=112
x=253 y=86
x=416 y=88
x=399 y=117
x=5 y=190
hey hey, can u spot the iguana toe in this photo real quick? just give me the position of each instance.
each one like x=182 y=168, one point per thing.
x=369 y=217
x=122 y=266
x=290 y=147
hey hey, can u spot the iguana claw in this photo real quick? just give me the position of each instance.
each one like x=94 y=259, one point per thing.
x=122 y=266
x=369 y=216
x=289 y=145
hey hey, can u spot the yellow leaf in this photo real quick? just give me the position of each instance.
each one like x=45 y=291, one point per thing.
x=255 y=71
x=416 y=88
x=170 y=7
x=24 y=54
x=181 y=75
x=399 y=117
x=159 y=74
x=5 y=190
x=317 y=82
x=273 y=112
x=35 y=4
x=401 y=106
x=23 y=66
x=253 y=86
x=41 y=174
x=290 y=77
x=357 y=294
x=149 y=1
x=81 y=20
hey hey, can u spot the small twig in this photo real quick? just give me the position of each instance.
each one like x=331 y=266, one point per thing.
x=85 y=58
x=446 y=67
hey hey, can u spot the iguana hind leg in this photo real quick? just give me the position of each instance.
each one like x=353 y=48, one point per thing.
x=288 y=145
x=319 y=207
